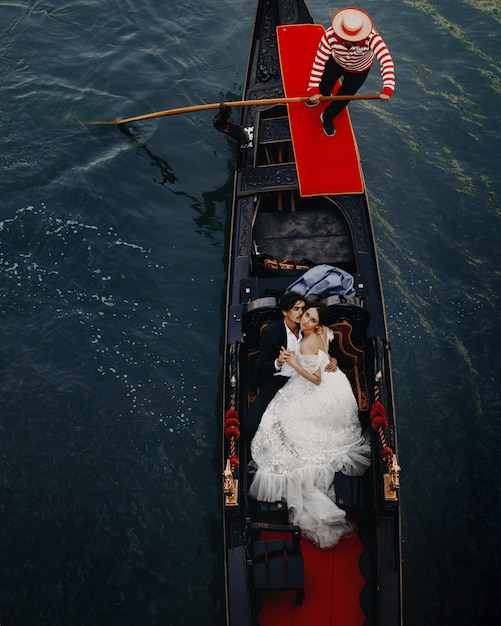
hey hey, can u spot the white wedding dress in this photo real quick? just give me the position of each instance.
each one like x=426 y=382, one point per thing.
x=307 y=433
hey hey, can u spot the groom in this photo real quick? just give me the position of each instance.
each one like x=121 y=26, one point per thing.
x=273 y=372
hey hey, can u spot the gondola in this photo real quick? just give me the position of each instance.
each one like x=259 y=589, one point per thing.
x=300 y=202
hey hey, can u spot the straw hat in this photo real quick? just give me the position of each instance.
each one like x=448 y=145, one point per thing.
x=351 y=24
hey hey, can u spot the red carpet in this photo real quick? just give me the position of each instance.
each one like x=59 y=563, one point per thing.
x=326 y=165
x=332 y=587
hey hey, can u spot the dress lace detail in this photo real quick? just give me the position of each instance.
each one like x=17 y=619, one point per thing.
x=307 y=433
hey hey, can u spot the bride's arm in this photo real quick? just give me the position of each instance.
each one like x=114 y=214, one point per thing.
x=315 y=377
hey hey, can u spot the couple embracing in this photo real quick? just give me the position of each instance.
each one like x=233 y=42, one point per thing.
x=304 y=422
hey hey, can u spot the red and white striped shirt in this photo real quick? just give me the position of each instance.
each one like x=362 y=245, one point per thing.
x=357 y=59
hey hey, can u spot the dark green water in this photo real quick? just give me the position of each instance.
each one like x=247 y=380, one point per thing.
x=112 y=270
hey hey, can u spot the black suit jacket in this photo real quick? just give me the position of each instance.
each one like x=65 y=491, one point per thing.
x=273 y=337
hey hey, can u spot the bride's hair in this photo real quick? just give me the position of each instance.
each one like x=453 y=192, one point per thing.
x=323 y=311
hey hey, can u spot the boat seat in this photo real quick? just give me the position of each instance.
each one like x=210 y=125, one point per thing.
x=276 y=564
x=351 y=309
x=349 y=491
x=351 y=360
x=267 y=510
x=258 y=311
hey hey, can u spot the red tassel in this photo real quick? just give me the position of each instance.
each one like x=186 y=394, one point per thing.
x=234 y=462
x=378 y=416
x=379 y=421
x=232 y=431
x=377 y=409
x=385 y=452
x=231 y=413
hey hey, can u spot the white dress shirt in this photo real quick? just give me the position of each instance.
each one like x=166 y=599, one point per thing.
x=292 y=341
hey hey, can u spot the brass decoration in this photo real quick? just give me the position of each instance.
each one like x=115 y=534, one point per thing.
x=392 y=480
x=230 y=486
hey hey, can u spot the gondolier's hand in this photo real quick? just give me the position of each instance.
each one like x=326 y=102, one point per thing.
x=384 y=97
x=315 y=99
x=332 y=366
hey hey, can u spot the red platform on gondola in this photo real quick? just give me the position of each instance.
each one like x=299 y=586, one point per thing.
x=332 y=588
x=325 y=165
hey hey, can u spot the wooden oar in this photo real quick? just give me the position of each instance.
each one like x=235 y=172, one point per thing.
x=237 y=103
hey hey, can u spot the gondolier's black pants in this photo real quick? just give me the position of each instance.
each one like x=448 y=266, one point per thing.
x=352 y=81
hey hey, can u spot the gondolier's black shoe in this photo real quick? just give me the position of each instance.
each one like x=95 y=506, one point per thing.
x=329 y=128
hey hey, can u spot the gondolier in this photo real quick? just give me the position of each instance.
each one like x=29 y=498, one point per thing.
x=347 y=51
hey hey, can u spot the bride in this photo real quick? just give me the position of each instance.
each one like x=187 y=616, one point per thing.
x=309 y=431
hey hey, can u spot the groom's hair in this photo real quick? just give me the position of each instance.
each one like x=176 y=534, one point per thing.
x=289 y=299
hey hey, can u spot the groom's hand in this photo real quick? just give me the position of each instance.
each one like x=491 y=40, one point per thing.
x=332 y=366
